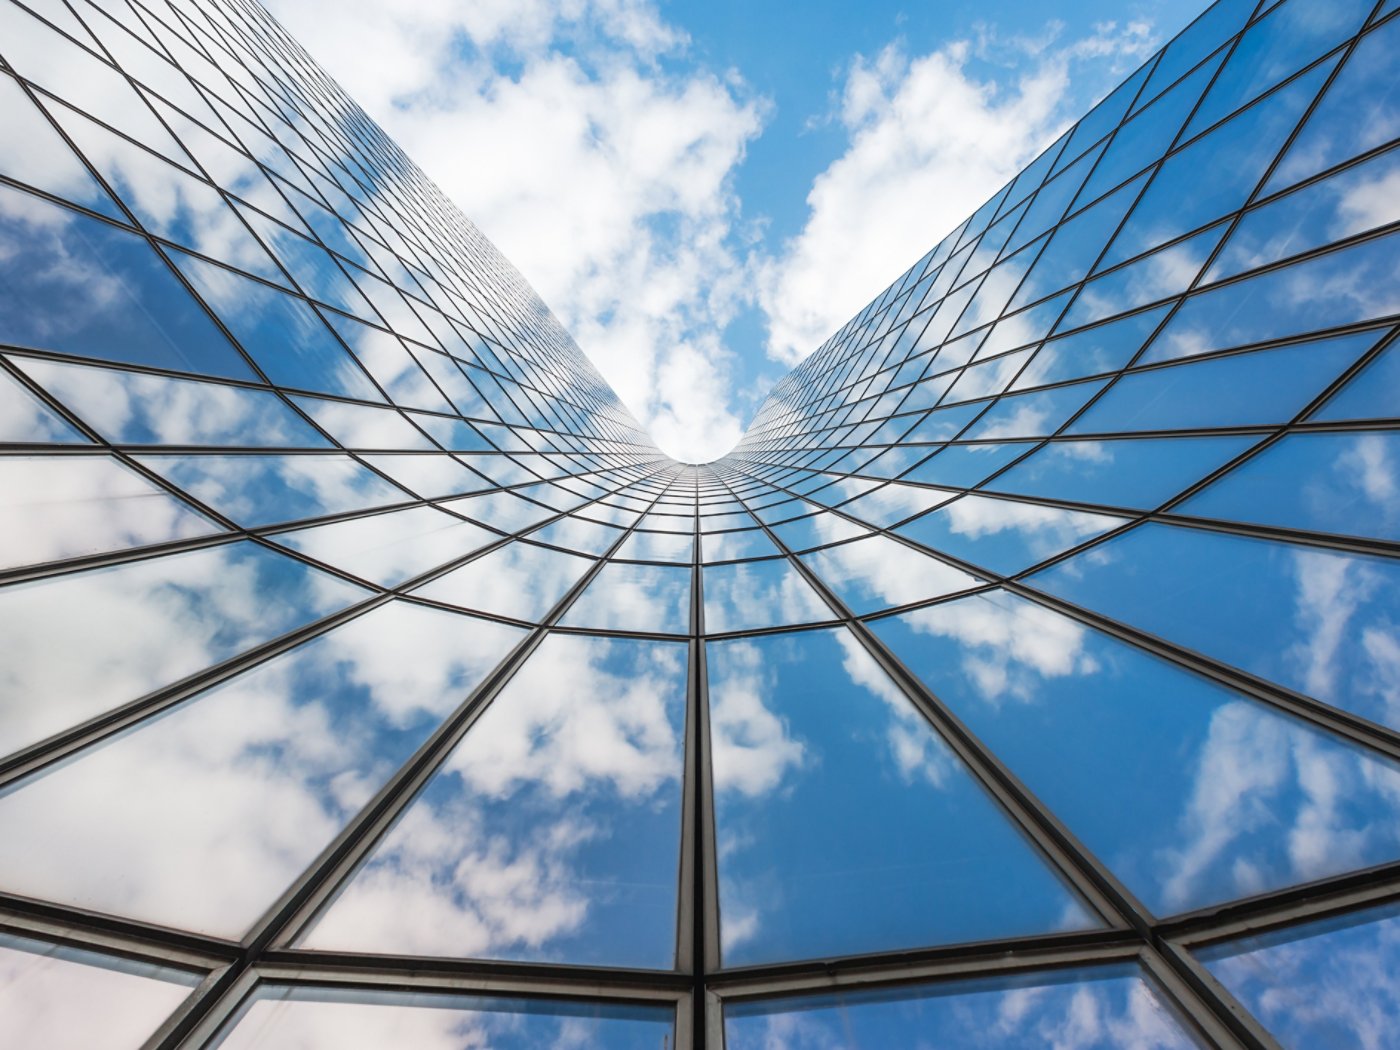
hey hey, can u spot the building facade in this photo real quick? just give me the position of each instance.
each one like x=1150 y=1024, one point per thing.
x=1028 y=676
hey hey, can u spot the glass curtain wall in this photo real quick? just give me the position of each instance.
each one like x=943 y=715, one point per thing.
x=1028 y=675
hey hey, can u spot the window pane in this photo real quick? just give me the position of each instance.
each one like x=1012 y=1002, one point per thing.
x=79 y=644
x=844 y=824
x=635 y=598
x=551 y=832
x=770 y=593
x=1330 y=983
x=54 y=507
x=1217 y=796
x=519 y=580
x=1103 y=1009
x=62 y=999
x=326 y=1020
x=211 y=810
x=1317 y=621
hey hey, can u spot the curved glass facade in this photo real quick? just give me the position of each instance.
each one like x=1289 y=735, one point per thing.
x=1029 y=675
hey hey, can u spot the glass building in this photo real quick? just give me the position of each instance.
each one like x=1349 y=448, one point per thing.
x=1028 y=676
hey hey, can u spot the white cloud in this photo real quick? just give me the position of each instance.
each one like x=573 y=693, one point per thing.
x=600 y=159
x=600 y=174
x=930 y=138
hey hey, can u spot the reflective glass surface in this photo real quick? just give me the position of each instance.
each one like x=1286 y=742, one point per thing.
x=73 y=1000
x=759 y=594
x=519 y=580
x=635 y=598
x=1317 y=621
x=388 y=549
x=551 y=832
x=1222 y=796
x=72 y=506
x=257 y=371
x=1084 y=1009
x=124 y=631
x=317 y=1020
x=257 y=774
x=135 y=408
x=879 y=572
x=1330 y=983
x=263 y=490
x=819 y=759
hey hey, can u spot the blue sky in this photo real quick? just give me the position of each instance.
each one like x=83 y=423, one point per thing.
x=703 y=190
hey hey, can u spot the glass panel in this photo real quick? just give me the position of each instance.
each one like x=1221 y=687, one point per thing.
x=1359 y=199
x=816 y=530
x=319 y=1019
x=80 y=286
x=1075 y=247
x=362 y=426
x=1164 y=273
x=431 y=476
x=1219 y=22
x=31 y=151
x=893 y=503
x=576 y=534
x=24 y=418
x=1356 y=114
x=1151 y=132
x=750 y=594
x=1317 y=621
x=1032 y=415
x=53 y=62
x=1141 y=473
x=1217 y=796
x=1343 y=287
x=1093 y=351
x=1236 y=155
x=635 y=598
x=878 y=572
x=552 y=831
x=388 y=549
x=1004 y=535
x=80 y=644
x=62 y=999
x=503 y=511
x=1368 y=395
x=819 y=760
x=963 y=466
x=389 y=361
x=284 y=335
x=168 y=201
x=1285 y=40
x=54 y=507
x=134 y=408
x=658 y=546
x=1329 y=983
x=1345 y=483
x=202 y=816
x=744 y=543
x=518 y=580
x=258 y=490
x=1100 y=1009
x=1260 y=388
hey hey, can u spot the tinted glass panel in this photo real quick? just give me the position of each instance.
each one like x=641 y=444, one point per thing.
x=551 y=832
x=1221 y=796
x=818 y=758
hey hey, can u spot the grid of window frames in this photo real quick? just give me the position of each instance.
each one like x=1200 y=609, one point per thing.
x=1028 y=675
